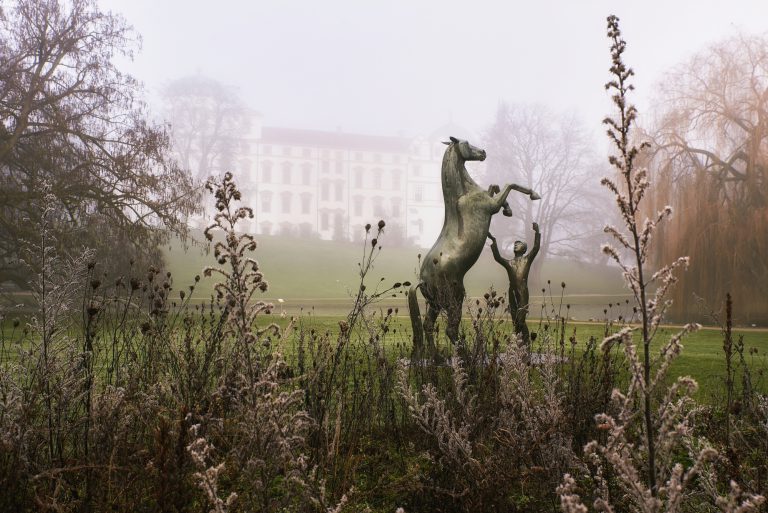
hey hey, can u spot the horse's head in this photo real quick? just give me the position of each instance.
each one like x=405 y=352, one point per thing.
x=465 y=150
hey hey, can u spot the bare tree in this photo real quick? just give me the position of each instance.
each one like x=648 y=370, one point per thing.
x=75 y=126
x=712 y=140
x=206 y=120
x=534 y=147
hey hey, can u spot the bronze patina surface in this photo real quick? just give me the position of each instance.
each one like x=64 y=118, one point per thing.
x=468 y=212
x=518 y=269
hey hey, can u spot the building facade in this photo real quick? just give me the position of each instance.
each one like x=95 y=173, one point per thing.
x=330 y=184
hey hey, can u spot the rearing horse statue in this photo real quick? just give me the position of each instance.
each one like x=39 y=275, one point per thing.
x=468 y=211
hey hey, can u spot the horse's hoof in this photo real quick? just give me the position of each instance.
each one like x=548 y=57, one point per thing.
x=535 y=196
x=507 y=212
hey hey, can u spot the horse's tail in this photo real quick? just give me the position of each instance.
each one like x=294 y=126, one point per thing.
x=418 y=328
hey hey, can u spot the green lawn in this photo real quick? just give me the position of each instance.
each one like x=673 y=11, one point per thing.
x=308 y=273
x=702 y=356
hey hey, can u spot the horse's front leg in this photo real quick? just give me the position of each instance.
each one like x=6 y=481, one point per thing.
x=501 y=200
x=495 y=189
x=525 y=190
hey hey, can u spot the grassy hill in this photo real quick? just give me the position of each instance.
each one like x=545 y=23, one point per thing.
x=306 y=272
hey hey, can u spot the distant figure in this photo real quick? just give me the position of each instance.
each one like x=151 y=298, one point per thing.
x=517 y=271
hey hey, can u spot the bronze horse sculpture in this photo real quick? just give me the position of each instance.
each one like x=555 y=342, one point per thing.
x=468 y=212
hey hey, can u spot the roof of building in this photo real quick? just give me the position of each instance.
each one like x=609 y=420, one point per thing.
x=341 y=140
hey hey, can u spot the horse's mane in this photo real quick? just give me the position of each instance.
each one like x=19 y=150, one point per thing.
x=452 y=183
x=451 y=174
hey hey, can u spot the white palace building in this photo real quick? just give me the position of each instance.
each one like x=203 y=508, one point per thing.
x=330 y=184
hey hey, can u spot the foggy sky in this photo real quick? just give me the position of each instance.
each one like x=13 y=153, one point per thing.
x=412 y=66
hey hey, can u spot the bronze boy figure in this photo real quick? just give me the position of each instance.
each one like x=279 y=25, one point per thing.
x=517 y=271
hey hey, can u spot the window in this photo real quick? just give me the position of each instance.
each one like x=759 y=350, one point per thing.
x=357 y=205
x=286 y=172
x=266 y=171
x=306 y=152
x=377 y=157
x=267 y=150
x=377 y=174
x=339 y=167
x=396 y=174
x=324 y=220
x=324 y=191
x=287 y=229
x=416 y=170
x=306 y=173
x=306 y=203
x=266 y=202
x=357 y=177
x=378 y=206
x=266 y=228
x=286 y=151
x=396 y=207
x=418 y=193
x=325 y=166
x=285 y=201
x=339 y=189
x=338 y=226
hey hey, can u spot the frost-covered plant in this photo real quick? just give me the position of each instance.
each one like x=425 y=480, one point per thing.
x=257 y=420
x=484 y=459
x=267 y=430
x=45 y=375
x=242 y=278
x=650 y=427
x=207 y=475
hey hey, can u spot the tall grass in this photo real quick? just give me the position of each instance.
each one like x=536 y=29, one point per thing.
x=121 y=395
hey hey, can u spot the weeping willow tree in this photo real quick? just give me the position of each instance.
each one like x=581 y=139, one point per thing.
x=711 y=162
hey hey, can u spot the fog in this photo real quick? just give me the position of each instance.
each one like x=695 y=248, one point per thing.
x=409 y=67
x=526 y=81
